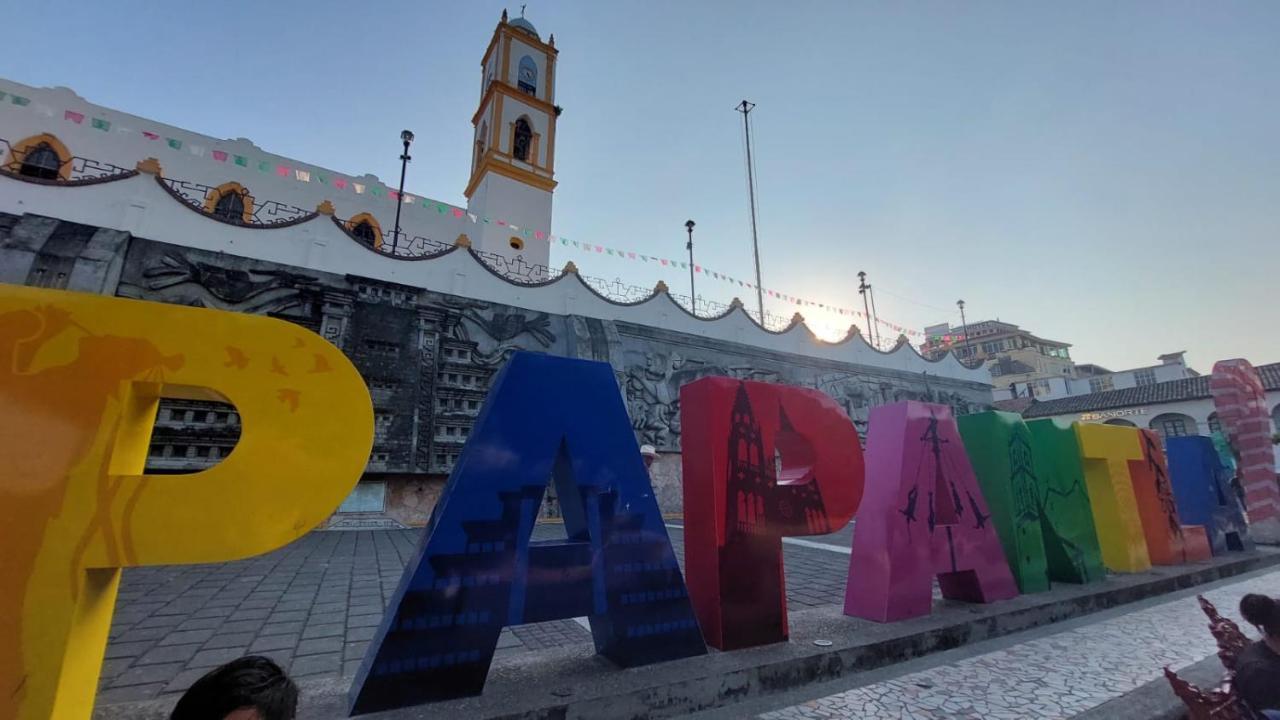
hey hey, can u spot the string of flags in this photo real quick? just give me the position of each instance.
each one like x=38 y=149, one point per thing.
x=272 y=167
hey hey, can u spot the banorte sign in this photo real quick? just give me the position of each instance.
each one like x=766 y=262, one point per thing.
x=81 y=377
x=1108 y=414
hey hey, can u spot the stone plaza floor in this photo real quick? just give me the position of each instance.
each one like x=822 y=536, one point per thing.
x=314 y=605
x=1057 y=675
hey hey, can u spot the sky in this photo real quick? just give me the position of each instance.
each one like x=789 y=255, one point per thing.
x=1105 y=174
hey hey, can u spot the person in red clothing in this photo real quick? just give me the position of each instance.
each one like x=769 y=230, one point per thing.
x=1257 y=678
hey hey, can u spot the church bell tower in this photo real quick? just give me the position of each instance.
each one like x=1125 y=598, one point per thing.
x=514 y=148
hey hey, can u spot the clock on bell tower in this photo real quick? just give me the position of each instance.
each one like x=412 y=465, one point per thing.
x=513 y=154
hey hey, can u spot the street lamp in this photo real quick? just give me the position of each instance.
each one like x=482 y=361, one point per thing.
x=693 y=297
x=964 y=325
x=863 y=287
x=407 y=137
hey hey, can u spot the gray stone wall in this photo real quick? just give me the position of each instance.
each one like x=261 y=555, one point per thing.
x=428 y=357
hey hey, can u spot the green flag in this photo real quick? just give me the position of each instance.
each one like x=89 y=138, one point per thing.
x=19 y=100
x=242 y=161
x=175 y=144
x=264 y=166
x=100 y=124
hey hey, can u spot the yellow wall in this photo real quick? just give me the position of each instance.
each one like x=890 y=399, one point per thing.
x=80 y=381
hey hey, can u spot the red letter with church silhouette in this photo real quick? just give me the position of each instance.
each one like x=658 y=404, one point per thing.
x=761 y=462
x=924 y=515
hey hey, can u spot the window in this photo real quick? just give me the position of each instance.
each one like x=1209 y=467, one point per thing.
x=366 y=229
x=992 y=347
x=1038 y=387
x=516 y=243
x=230 y=206
x=484 y=133
x=527 y=78
x=1101 y=384
x=1173 y=427
x=1144 y=377
x=231 y=202
x=521 y=140
x=41 y=161
x=1215 y=425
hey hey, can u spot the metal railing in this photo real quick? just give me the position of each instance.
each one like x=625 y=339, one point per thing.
x=264 y=213
x=72 y=170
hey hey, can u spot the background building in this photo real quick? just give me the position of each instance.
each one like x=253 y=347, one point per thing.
x=1171 y=407
x=1011 y=354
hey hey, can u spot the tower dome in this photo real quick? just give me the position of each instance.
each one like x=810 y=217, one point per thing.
x=521 y=24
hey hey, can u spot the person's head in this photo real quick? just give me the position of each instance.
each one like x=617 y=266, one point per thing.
x=649 y=453
x=1262 y=612
x=250 y=688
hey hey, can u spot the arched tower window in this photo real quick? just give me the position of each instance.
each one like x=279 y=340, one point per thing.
x=521 y=140
x=366 y=229
x=230 y=201
x=484 y=133
x=42 y=156
x=527 y=77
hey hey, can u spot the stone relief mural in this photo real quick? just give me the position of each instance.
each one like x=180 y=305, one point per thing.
x=429 y=357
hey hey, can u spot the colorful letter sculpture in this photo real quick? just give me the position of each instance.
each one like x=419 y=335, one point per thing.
x=999 y=448
x=1241 y=404
x=80 y=380
x=923 y=515
x=476 y=570
x=1169 y=542
x=1070 y=540
x=1105 y=452
x=1202 y=489
x=738 y=506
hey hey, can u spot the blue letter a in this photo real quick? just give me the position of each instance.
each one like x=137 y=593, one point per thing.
x=476 y=571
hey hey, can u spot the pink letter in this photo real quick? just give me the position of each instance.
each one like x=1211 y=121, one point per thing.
x=923 y=515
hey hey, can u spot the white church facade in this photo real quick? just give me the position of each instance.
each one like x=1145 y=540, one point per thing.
x=56 y=132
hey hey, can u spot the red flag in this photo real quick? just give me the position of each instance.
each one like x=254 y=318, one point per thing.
x=74 y=117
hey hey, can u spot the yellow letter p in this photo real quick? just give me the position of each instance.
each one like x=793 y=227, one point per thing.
x=81 y=377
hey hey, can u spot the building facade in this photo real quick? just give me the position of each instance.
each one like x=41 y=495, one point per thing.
x=1089 y=378
x=1012 y=355
x=95 y=200
x=1171 y=407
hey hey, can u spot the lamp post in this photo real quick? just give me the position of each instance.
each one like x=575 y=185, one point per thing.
x=693 y=297
x=863 y=287
x=964 y=326
x=407 y=137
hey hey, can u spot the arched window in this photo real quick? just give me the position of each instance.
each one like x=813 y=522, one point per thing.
x=366 y=229
x=1174 y=425
x=1120 y=422
x=484 y=133
x=41 y=161
x=527 y=77
x=521 y=140
x=42 y=156
x=230 y=201
x=1215 y=425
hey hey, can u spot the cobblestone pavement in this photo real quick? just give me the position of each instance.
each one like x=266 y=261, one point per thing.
x=315 y=604
x=1054 y=676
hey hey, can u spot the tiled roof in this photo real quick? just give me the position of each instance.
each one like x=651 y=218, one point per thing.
x=1163 y=392
x=1017 y=405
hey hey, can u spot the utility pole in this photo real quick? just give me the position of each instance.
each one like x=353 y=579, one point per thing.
x=745 y=108
x=863 y=287
x=964 y=326
x=693 y=296
x=875 y=316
